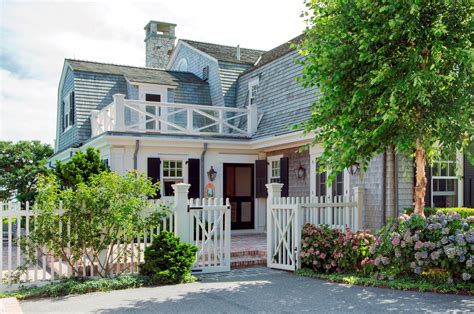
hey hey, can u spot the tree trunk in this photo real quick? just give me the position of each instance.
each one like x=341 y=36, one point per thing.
x=420 y=187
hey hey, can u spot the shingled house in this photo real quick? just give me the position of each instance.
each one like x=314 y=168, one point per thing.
x=219 y=117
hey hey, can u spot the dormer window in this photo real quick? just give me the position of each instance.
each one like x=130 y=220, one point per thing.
x=183 y=65
x=68 y=111
x=253 y=90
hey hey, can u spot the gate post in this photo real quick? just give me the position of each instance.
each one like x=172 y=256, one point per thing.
x=181 y=211
x=274 y=192
x=359 y=199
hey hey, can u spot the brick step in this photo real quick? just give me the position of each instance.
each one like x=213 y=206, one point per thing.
x=248 y=253
x=246 y=261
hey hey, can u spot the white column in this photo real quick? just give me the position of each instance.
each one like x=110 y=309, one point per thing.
x=359 y=213
x=274 y=192
x=182 y=225
x=119 y=100
x=252 y=119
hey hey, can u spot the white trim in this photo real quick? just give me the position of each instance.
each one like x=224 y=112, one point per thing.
x=270 y=159
x=183 y=62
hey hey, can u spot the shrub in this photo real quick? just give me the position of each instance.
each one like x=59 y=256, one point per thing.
x=463 y=211
x=414 y=244
x=167 y=260
x=331 y=250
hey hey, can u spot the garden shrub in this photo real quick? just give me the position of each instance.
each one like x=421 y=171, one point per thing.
x=439 y=247
x=414 y=244
x=331 y=250
x=167 y=260
x=463 y=211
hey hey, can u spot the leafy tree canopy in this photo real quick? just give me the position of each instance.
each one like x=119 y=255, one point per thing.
x=390 y=73
x=80 y=168
x=20 y=165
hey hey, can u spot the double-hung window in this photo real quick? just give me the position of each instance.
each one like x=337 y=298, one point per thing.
x=253 y=91
x=274 y=170
x=68 y=111
x=172 y=174
x=444 y=184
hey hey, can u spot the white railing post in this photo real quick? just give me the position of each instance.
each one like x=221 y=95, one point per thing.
x=274 y=192
x=189 y=125
x=182 y=225
x=95 y=127
x=221 y=121
x=119 y=101
x=359 y=211
x=252 y=119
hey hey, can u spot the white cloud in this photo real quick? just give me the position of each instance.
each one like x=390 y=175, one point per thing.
x=36 y=37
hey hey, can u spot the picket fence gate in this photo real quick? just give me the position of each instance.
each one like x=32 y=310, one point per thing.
x=208 y=218
x=287 y=215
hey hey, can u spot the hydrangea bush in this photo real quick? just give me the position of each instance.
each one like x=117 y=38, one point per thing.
x=411 y=245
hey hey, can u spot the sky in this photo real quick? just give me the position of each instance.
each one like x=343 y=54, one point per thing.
x=36 y=37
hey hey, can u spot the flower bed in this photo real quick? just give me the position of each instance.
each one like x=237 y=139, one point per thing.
x=439 y=247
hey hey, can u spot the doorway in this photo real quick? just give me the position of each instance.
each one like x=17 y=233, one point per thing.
x=239 y=188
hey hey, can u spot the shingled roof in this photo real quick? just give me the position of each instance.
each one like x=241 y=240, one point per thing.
x=227 y=53
x=276 y=52
x=136 y=74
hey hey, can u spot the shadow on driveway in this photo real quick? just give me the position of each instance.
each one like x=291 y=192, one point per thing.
x=254 y=290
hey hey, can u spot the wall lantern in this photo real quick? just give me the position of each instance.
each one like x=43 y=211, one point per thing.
x=354 y=169
x=301 y=172
x=211 y=174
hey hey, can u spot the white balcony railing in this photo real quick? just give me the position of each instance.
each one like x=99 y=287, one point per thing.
x=125 y=115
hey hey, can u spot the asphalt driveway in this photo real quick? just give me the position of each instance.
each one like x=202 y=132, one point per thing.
x=253 y=290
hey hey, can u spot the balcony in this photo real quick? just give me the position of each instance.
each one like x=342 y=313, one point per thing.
x=126 y=115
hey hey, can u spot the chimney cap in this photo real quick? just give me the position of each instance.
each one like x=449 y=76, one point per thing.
x=159 y=24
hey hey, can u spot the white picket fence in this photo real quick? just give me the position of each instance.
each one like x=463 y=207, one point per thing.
x=287 y=215
x=210 y=227
x=208 y=218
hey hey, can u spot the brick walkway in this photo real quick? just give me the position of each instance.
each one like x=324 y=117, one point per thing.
x=248 y=250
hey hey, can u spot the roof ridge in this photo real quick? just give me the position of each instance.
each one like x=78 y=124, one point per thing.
x=227 y=46
x=119 y=65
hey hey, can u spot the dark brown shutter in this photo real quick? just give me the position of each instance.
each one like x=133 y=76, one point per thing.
x=261 y=178
x=71 y=109
x=428 y=185
x=284 y=176
x=153 y=171
x=194 y=179
x=468 y=182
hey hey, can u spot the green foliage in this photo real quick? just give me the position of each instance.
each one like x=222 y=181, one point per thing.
x=82 y=286
x=106 y=209
x=330 y=250
x=425 y=283
x=390 y=73
x=463 y=211
x=167 y=260
x=21 y=164
x=80 y=168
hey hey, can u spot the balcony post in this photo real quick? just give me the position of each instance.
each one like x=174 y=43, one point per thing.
x=189 y=126
x=119 y=101
x=95 y=126
x=252 y=119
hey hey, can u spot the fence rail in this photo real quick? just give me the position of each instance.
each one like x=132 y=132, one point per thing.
x=287 y=215
x=19 y=220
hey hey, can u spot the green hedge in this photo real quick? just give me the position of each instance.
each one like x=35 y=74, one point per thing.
x=463 y=211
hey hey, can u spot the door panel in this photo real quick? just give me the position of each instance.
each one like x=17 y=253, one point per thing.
x=239 y=188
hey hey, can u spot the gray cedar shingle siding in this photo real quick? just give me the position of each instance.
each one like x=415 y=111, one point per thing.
x=196 y=63
x=68 y=138
x=94 y=91
x=282 y=99
x=229 y=73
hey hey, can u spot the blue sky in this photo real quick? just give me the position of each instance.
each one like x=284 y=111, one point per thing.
x=36 y=37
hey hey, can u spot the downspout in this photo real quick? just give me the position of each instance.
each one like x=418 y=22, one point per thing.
x=201 y=180
x=135 y=155
x=395 y=181
x=384 y=188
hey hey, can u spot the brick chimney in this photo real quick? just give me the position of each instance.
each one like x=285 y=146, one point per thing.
x=159 y=41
